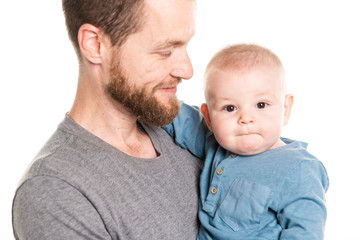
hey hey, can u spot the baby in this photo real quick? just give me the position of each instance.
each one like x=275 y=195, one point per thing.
x=255 y=184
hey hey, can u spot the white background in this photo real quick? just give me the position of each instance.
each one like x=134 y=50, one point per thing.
x=317 y=40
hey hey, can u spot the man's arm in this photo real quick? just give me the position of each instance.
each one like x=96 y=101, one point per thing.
x=49 y=208
x=189 y=130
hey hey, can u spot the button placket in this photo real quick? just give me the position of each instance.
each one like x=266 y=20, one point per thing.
x=214 y=191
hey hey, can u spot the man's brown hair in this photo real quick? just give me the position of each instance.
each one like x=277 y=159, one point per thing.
x=116 y=18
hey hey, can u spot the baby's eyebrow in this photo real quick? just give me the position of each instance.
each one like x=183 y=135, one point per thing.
x=264 y=93
x=266 y=96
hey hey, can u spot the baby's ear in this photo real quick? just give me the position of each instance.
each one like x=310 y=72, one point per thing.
x=205 y=112
x=289 y=99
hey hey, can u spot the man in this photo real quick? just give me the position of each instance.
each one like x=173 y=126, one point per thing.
x=108 y=172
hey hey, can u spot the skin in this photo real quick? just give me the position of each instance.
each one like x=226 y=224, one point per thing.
x=246 y=110
x=153 y=60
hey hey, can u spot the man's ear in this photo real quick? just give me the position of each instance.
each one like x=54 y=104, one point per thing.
x=92 y=42
x=289 y=100
x=205 y=111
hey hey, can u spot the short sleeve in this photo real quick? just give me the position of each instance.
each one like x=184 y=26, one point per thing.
x=49 y=208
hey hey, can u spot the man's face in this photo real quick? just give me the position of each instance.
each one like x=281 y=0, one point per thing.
x=147 y=68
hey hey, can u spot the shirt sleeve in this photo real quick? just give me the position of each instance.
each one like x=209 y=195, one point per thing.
x=49 y=208
x=189 y=130
x=302 y=212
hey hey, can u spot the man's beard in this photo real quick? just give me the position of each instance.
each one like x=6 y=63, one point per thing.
x=143 y=105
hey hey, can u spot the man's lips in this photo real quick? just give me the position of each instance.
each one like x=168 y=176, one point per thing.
x=169 y=89
x=170 y=86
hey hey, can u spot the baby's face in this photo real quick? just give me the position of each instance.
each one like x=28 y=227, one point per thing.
x=246 y=110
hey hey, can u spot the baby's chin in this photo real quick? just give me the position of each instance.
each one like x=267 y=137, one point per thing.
x=251 y=144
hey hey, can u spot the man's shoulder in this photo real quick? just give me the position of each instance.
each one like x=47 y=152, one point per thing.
x=63 y=154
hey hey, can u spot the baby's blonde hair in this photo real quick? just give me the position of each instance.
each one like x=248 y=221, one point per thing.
x=242 y=58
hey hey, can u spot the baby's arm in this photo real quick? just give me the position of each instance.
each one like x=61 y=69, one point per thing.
x=189 y=130
x=303 y=211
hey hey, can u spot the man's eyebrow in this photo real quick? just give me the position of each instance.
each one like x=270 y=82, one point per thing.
x=168 y=43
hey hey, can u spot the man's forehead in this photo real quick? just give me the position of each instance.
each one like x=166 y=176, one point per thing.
x=171 y=23
x=169 y=7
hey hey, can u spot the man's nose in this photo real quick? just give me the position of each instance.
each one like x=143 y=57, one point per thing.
x=183 y=67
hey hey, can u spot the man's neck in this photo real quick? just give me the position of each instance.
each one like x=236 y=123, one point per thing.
x=113 y=124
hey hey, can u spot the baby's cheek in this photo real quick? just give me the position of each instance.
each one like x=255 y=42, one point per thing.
x=221 y=138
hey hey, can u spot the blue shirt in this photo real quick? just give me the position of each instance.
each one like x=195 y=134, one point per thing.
x=277 y=194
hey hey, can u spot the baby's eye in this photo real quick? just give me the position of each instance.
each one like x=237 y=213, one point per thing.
x=230 y=108
x=261 y=105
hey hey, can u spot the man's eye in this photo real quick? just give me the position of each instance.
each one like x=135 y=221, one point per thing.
x=230 y=108
x=165 y=53
x=261 y=105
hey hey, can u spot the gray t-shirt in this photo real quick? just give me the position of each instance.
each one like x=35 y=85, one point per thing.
x=80 y=187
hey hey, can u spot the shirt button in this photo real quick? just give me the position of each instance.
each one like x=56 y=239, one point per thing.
x=233 y=155
x=213 y=190
x=219 y=172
